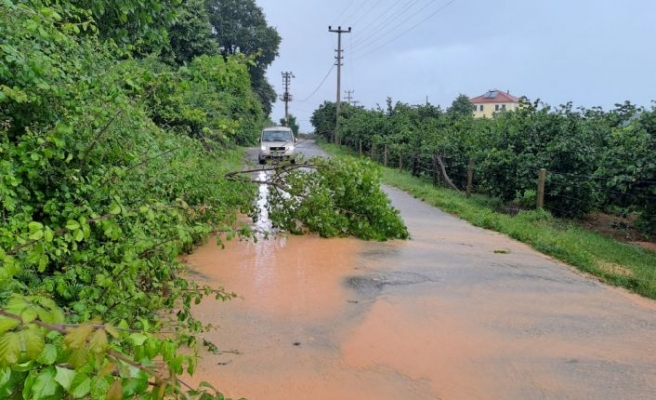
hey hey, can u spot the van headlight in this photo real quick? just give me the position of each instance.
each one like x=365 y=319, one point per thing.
x=291 y=148
x=263 y=147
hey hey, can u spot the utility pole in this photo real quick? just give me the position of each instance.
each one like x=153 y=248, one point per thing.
x=286 y=97
x=349 y=95
x=339 y=64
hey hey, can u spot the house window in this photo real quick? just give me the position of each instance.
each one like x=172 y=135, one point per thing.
x=503 y=106
x=480 y=108
x=496 y=107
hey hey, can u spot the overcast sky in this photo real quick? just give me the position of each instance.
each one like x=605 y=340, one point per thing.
x=590 y=52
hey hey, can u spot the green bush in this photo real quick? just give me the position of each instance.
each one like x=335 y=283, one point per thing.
x=337 y=197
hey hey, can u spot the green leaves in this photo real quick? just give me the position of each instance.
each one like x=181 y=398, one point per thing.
x=33 y=341
x=36 y=230
x=42 y=388
x=7 y=324
x=341 y=197
x=77 y=384
x=48 y=356
x=10 y=348
x=80 y=386
x=64 y=377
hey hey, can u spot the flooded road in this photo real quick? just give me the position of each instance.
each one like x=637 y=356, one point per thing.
x=455 y=313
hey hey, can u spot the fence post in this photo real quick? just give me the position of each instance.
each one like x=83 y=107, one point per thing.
x=415 y=165
x=385 y=156
x=542 y=178
x=470 y=177
x=360 y=147
x=373 y=152
x=435 y=169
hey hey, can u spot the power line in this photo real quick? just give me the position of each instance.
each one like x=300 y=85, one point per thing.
x=410 y=29
x=320 y=84
x=351 y=73
x=367 y=13
x=375 y=28
x=355 y=13
x=400 y=24
x=344 y=10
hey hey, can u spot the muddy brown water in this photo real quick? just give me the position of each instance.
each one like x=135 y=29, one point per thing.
x=445 y=315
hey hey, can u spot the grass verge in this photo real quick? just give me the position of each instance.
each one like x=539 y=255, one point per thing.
x=613 y=262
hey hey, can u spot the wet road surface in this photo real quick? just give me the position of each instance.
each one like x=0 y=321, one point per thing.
x=455 y=313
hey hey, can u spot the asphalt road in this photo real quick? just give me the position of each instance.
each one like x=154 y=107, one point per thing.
x=457 y=312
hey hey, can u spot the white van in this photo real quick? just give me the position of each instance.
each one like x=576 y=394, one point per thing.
x=277 y=143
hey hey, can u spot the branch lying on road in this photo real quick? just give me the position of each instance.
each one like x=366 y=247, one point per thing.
x=279 y=169
x=277 y=183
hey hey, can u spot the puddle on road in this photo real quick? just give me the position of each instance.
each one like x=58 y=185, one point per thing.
x=284 y=277
x=431 y=318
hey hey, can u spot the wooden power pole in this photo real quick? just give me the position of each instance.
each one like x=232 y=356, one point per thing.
x=349 y=95
x=286 y=97
x=339 y=64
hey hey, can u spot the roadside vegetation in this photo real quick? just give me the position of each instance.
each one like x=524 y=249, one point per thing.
x=612 y=261
x=596 y=161
x=119 y=123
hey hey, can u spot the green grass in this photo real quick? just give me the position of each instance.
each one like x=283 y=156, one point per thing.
x=612 y=261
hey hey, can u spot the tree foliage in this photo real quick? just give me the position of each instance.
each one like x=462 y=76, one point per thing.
x=134 y=26
x=323 y=120
x=240 y=27
x=292 y=124
x=461 y=107
x=596 y=160
x=210 y=99
x=190 y=34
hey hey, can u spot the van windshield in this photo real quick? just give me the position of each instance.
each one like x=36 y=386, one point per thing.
x=277 y=136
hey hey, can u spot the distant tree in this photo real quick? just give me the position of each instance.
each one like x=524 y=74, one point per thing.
x=190 y=35
x=323 y=120
x=461 y=107
x=240 y=26
x=292 y=124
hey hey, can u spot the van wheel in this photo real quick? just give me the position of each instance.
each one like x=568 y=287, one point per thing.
x=262 y=161
x=293 y=161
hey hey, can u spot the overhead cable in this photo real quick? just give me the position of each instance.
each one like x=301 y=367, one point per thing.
x=319 y=86
x=408 y=30
x=373 y=29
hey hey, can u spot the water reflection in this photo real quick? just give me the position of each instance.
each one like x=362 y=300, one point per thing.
x=263 y=224
x=268 y=243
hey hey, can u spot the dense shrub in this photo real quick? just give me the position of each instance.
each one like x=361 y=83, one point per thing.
x=97 y=201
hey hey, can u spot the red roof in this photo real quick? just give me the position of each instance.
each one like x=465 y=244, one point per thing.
x=495 y=96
